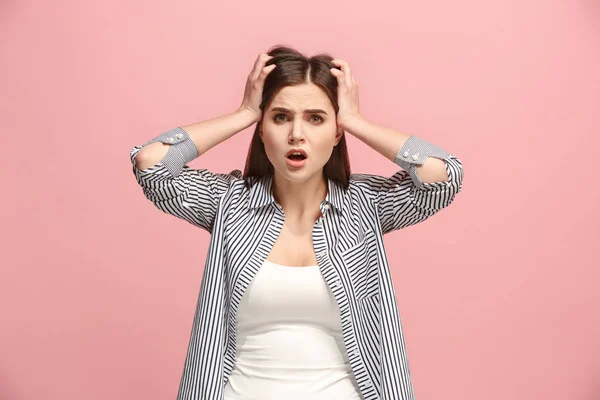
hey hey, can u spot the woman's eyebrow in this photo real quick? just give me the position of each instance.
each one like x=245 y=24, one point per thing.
x=310 y=110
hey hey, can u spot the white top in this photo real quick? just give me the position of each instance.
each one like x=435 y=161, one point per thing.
x=289 y=339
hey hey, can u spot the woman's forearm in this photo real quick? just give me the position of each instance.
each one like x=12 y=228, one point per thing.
x=402 y=148
x=205 y=135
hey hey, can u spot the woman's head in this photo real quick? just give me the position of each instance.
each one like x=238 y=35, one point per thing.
x=297 y=84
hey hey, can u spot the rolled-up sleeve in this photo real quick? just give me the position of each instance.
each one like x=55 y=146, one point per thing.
x=176 y=189
x=404 y=199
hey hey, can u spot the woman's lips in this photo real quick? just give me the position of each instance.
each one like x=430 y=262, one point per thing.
x=295 y=163
x=292 y=151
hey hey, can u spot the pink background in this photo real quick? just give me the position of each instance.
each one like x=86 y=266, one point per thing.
x=498 y=293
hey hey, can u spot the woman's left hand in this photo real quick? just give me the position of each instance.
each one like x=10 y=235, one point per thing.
x=347 y=94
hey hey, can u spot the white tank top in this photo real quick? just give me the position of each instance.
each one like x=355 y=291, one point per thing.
x=289 y=339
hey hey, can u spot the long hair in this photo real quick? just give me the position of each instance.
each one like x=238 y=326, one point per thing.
x=294 y=68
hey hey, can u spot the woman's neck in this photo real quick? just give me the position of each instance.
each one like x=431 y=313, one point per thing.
x=300 y=197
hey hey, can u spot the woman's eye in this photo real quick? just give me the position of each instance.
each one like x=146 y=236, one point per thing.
x=277 y=119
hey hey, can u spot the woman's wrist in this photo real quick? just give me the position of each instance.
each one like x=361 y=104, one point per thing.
x=247 y=115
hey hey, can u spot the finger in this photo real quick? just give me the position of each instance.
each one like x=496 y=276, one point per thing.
x=348 y=73
x=339 y=75
x=265 y=71
x=346 y=69
x=342 y=74
x=259 y=64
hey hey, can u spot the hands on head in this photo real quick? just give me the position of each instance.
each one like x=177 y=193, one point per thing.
x=347 y=89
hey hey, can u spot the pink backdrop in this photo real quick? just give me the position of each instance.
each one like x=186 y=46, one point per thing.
x=498 y=294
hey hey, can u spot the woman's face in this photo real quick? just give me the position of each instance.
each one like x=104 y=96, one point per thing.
x=300 y=117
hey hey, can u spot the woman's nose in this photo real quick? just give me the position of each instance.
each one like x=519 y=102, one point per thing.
x=297 y=132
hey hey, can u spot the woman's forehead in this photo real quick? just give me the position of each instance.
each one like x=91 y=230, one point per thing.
x=301 y=97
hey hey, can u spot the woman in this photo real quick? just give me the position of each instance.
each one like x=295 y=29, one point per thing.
x=296 y=299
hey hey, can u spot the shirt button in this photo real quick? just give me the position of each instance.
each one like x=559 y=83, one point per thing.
x=170 y=140
x=415 y=156
x=336 y=283
x=406 y=154
x=326 y=206
x=179 y=135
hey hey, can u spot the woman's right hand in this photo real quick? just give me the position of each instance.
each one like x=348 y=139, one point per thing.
x=254 y=85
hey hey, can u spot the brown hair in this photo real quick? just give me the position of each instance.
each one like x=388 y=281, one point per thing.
x=294 y=68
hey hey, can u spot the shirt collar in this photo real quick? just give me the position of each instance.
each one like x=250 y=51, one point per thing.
x=261 y=193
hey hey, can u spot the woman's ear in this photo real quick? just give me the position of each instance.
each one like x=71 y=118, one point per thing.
x=338 y=135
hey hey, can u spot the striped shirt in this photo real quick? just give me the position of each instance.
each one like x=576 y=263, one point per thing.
x=348 y=242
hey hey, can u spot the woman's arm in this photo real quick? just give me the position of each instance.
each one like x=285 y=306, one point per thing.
x=402 y=149
x=190 y=194
x=430 y=177
x=429 y=180
x=204 y=134
x=159 y=165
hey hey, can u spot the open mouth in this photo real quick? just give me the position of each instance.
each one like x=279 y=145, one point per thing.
x=297 y=157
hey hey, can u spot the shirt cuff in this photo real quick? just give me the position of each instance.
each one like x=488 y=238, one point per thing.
x=181 y=151
x=414 y=152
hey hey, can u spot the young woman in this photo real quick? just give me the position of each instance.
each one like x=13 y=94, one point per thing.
x=296 y=299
